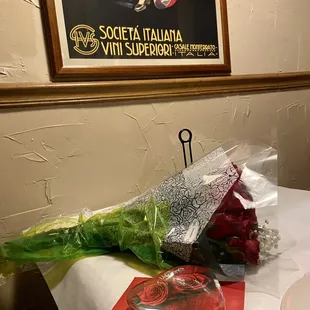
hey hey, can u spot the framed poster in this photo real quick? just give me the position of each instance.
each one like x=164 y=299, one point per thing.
x=136 y=39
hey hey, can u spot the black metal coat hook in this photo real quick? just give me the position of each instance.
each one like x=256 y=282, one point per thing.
x=184 y=141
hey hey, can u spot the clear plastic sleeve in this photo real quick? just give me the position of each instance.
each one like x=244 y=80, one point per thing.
x=209 y=214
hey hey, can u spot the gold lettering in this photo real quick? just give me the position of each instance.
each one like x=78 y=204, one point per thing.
x=86 y=35
x=127 y=45
x=104 y=33
x=146 y=49
x=167 y=36
x=81 y=38
x=124 y=34
x=109 y=32
x=135 y=49
x=146 y=34
x=141 y=49
x=136 y=35
x=112 y=48
x=119 y=33
x=153 y=36
x=112 y=44
x=167 y=50
x=105 y=48
x=179 y=37
x=152 y=50
x=130 y=29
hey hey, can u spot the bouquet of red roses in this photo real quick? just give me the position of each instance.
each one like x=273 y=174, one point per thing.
x=233 y=228
x=205 y=214
x=234 y=234
x=234 y=231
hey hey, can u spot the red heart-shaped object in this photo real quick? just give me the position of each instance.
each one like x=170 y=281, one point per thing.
x=180 y=288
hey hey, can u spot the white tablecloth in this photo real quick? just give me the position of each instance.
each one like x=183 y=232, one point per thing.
x=97 y=283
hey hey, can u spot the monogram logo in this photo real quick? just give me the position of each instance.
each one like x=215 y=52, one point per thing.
x=84 y=38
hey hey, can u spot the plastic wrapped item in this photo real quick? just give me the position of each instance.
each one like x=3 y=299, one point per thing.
x=184 y=219
x=140 y=229
x=236 y=231
x=182 y=288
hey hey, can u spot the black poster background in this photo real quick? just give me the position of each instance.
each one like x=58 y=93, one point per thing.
x=196 y=20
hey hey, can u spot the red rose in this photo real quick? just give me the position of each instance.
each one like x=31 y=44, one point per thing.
x=223 y=226
x=235 y=225
x=248 y=250
x=185 y=283
x=230 y=203
x=250 y=214
x=154 y=294
x=236 y=244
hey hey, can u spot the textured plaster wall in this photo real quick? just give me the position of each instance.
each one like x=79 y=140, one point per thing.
x=64 y=159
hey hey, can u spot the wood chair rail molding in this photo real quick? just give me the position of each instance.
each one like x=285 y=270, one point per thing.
x=32 y=94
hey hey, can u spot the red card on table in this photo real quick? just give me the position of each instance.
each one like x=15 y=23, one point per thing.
x=234 y=293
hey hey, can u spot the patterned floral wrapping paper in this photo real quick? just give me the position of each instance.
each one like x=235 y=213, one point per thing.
x=194 y=195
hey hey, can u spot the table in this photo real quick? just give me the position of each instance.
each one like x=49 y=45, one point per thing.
x=97 y=283
x=27 y=289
